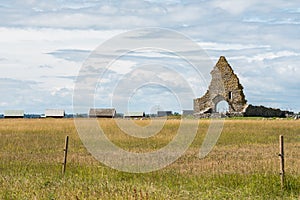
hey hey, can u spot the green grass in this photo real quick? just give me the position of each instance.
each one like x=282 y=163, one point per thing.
x=243 y=165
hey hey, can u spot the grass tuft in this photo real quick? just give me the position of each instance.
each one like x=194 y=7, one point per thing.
x=243 y=165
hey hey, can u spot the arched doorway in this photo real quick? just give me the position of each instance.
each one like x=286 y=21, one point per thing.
x=222 y=107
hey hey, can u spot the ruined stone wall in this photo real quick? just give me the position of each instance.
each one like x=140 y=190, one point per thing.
x=203 y=104
x=225 y=86
x=262 y=111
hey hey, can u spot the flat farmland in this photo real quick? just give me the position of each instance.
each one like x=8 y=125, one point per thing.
x=244 y=164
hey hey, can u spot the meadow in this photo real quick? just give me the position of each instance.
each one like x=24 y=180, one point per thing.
x=243 y=165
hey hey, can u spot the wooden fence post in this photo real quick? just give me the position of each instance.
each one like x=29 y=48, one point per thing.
x=281 y=155
x=65 y=155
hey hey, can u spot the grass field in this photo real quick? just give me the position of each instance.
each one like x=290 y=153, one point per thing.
x=243 y=165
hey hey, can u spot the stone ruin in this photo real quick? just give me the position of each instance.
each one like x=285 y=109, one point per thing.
x=225 y=86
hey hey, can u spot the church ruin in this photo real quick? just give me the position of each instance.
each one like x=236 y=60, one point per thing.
x=225 y=86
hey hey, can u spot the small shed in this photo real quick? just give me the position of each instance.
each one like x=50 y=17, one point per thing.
x=55 y=113
x=13 y=114
x=187 y=113
x=164 y=113
x=134 y=114
x=102 y=112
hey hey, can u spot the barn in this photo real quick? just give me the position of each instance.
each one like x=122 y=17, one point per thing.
x=134 y=114
x=102 y=112
x=186 y=113
x=13 y=114
x=164 y=113
x=55 y=113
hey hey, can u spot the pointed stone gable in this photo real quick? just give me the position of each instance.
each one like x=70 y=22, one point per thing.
x=225 y=85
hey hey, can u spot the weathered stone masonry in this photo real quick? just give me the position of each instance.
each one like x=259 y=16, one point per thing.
x=224 y=85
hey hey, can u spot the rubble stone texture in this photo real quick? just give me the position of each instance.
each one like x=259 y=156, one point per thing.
x=225 y=85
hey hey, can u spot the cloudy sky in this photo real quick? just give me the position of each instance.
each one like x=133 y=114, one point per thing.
x=45 y=43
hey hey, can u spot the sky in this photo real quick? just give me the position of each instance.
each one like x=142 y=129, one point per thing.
x=44 y=45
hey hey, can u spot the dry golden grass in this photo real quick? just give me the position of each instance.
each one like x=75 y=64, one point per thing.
x=245 y=146
x=244 y=163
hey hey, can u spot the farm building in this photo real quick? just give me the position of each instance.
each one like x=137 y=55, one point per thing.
x=102 y=112
x=134 y=114
x=13 y=114
x=55 y=113
x=164 y=113
x=187 y=113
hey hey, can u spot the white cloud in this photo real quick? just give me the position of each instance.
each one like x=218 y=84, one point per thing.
x=122 y=66
x=4 y=104
x=274 y=21
x=234 y=7
x=46 y=42
x=230 y=46
x=25 y=50
x=273 y=55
